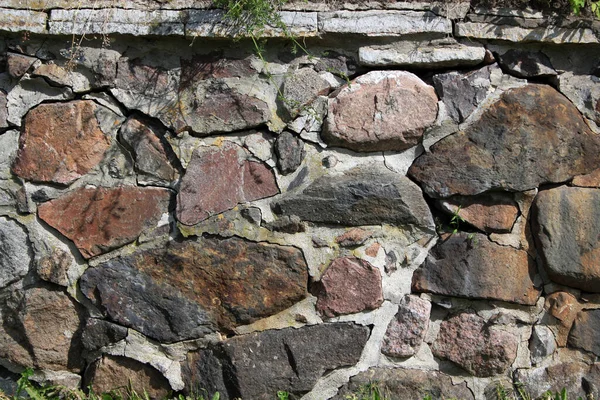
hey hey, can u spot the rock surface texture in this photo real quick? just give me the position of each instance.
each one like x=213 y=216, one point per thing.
x=383 y=110
x=411 y=198
x=530 y=136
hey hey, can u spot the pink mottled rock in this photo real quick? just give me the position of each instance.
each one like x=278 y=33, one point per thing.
x=381 y=110
x=349 y=285
x=217 y=179
x=406 y=331
x=467 y=340
x=60 y=142
x=98 y=220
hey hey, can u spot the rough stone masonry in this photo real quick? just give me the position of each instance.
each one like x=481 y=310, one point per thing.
x=414 y=200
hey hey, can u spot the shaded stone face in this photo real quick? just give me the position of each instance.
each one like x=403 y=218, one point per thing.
x=288 y=359
x=290 y=152
x=152 y=160
x=400 y=383
x=98 y=220
x=566 y=228
x=60 y=142
x=182 y=290
x=381 y=110
x=15 y=257
x=472 y=267
x=406 y=331
x=462 y=93
x=41 y=328
x=568 y=375
x=349 y=285
x=481 y=350
x=365 y=196
x=530 y=136
x=120 y=373
x=526 y=64
x=217 y=179
x=584 y=334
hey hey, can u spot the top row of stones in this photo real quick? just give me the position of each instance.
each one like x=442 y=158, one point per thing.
x=210 y=23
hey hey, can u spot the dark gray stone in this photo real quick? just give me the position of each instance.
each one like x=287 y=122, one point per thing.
x=584 y=334
x=566 y=227
x=526 y=64
x=183 y=290
x=292 y=359
x=8 y=382
x=363 y=196
x=99 y=333
x=530 y=136
x=15 y=253
x=462 y=93
x=472 y=266
x=403 y=383
x=290 y=152
x=131 y=298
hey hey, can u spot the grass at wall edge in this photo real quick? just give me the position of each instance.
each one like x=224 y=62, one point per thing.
x=26 y=389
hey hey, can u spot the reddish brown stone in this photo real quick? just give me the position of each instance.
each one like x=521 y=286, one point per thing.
x=467 y=340
x=98 y=220
x=54 y=267
x=353 y=237
x=530 y=136
x=373 y=249
x=18 y=64
x=591 y=180
x=564 y=307
x=178 y=291
x=381 y=110
x=217 y=179
x=495 y=212
x=472 y=266
x=406 y=331
x=54 y=73
x=349 y=285
x=121 y=373
x=41 y=329
x=60 y=142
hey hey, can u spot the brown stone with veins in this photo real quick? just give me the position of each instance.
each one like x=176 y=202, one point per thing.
x=60 y=142
x=564 y=307
x=98 y=220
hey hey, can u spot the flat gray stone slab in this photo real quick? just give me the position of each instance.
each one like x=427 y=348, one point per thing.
x=113 y=20
x=22 y=20
x=210 y=23
x=482 y=30
x=426 y=54
x=383 y=23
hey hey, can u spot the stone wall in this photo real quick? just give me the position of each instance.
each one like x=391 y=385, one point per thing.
x=415 y=201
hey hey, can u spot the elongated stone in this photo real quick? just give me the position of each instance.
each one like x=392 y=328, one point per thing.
x=474 y=267
x=98 y=220
x=530 y=136
x=186 y=290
